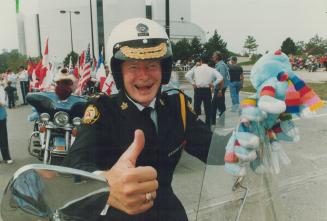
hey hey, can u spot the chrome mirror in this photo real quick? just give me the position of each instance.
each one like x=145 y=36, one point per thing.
x=39 y=192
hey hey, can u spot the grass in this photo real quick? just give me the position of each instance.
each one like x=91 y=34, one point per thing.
x=319 y=88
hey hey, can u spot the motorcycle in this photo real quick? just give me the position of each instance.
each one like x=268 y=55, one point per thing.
x=55 y=125
x=47 y=192
x=33 y=193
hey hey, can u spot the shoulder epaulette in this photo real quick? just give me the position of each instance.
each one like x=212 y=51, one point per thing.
x=97 y=96
x=175 y=91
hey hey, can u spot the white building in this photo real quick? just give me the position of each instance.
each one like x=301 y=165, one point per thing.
x=41 y=19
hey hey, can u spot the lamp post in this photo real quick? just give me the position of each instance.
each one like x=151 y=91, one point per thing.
x=167 y=19
x=70 y=22
x=91 y=15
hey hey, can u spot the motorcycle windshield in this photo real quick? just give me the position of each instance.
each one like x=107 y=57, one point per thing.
x=290 y=188
x=48 y=102
x=191 y=179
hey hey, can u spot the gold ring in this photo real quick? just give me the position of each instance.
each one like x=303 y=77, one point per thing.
x=148 y=197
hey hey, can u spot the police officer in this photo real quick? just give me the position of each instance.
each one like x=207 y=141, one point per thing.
x=135 y=138
x=203 y=78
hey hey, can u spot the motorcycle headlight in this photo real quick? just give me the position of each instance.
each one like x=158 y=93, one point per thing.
x=76 y=121
x=44 y=117
x=61 y=118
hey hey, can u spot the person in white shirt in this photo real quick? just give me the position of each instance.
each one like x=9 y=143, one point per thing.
x=23 y=80
x=203 y=78
x=11 y=76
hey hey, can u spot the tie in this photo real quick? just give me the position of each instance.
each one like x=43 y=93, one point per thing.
x=149 y=154
x=149 y=125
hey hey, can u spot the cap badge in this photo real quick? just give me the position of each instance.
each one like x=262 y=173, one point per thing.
x=142 y=29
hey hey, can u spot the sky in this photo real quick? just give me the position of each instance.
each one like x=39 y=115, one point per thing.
x=270 y=22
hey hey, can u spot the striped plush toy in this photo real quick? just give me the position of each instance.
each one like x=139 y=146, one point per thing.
x=266 y=118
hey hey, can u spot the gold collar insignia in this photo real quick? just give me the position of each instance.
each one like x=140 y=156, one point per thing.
x=124 y=106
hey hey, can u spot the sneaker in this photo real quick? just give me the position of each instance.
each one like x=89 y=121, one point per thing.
x=9 y=161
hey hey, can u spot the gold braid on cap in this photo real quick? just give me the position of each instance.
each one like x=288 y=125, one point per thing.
x=145 y=53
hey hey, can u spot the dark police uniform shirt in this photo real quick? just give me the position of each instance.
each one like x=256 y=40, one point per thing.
x=108 y=130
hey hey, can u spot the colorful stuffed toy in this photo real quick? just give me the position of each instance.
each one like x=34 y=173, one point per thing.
x=266 y=117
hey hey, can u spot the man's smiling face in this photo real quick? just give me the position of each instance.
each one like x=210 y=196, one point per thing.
x=142 y=80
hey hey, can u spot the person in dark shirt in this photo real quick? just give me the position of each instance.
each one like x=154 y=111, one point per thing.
x=236 y=83
x=10 y=92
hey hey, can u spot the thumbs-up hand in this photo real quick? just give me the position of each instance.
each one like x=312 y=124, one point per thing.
x=130 y=186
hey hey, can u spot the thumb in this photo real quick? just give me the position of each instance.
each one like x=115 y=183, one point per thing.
x=135 y=148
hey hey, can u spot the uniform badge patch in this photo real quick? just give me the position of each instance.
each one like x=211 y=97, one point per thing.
x=91 y=114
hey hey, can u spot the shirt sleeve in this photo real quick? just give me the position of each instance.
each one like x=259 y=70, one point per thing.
x=190 y=75
x=198 y=136
x=217 y=76
x=84 y=152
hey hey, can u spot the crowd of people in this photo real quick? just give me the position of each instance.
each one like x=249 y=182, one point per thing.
x=310 y=62
x=13 y=90
x=16 y=86
x=210 y=86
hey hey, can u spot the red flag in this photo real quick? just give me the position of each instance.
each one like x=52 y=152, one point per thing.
x=37 y=69
x=75 y=72
x=85 y=73
x=45 y=55
x=45 y=62
x=82 y=59
x=34 y=83
x=30 y=67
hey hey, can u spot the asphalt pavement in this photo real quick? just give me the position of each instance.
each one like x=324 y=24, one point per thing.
x=298 y=193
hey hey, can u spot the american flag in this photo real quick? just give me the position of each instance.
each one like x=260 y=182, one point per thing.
x=85 y=72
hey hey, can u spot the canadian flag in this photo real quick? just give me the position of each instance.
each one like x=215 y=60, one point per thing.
x=47 y=74
x=35 y=82
x=45 y=63
x=30 y=67
x=101 y=75
x=100 y=72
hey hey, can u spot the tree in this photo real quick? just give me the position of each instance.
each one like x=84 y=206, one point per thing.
x=316 y=46
x=215 y=43
x=12 y=60
x=300 y=47
x=196 y=48
x=250 y=44
x=74 y=56
x=288 y=46
x=181 y=50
